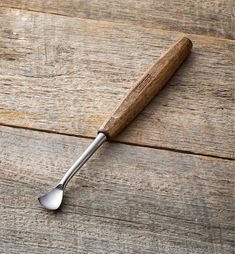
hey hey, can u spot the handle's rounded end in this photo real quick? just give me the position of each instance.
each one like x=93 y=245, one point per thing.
x=188 y=43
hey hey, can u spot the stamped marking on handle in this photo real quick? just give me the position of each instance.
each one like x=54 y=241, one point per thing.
x=143 y=83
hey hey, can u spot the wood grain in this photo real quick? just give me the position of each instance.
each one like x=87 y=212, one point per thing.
x=127 y=199
x=66 y=75
x=214 y=18
x=146 y=88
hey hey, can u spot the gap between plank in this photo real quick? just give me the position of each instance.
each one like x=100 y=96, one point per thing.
x=122 y=23
x=119 y=142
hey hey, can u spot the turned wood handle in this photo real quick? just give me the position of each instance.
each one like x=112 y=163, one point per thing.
x=146 y=88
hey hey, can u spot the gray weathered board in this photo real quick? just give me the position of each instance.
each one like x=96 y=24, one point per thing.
x=65 y=75
x=167 y=185
x=127 y=199
x=201 y=16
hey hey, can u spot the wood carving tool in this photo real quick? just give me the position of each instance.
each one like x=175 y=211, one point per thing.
x=135 y=101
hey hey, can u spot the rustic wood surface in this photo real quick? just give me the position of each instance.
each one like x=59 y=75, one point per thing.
x=141 y=201
x=167 y=185
x=201 y=17
x=66 y=75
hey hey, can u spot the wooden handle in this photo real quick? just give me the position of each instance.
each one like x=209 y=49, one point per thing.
x=146 y=88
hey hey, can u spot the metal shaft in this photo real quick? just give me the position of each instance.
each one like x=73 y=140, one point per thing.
x=99 y=140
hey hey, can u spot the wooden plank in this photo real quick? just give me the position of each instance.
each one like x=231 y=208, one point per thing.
x=127 y=199
x=66 y=75
x=214 y=18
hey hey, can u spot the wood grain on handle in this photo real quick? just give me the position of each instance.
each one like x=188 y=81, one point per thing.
x=146 y=88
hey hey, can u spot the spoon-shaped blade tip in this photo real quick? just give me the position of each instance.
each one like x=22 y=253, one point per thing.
x=53 y=199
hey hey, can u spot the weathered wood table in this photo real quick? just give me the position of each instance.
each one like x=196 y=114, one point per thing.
x=166 y=185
